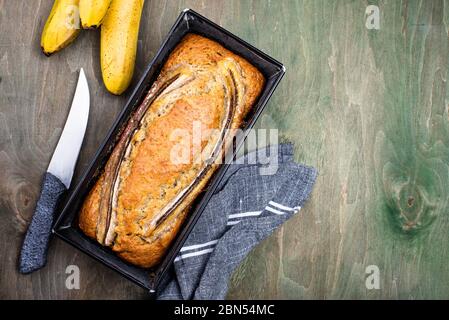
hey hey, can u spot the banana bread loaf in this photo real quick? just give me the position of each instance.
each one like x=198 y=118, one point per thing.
x=157 y=168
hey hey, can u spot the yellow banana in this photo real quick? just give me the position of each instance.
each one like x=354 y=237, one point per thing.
x=119 y=34
x=62 y=26
x=92 y=12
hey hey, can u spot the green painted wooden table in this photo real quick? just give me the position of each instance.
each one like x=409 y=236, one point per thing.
x=368 y=108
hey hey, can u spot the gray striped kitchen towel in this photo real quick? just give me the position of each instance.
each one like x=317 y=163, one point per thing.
x=251 y=201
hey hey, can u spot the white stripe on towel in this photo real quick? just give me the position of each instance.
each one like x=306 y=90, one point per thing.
x=244 y=214
x=274 y=210
x=281 y=206
x=231 y=223
x=194 y=254
x=197 y=246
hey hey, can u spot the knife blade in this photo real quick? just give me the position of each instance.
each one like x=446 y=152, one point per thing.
x=33 y=255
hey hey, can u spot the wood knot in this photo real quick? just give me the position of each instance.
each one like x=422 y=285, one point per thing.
x=24 y=202
x=412 y=201
x=409 y=207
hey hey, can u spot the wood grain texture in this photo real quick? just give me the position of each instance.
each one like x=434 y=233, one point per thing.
x=368 y=108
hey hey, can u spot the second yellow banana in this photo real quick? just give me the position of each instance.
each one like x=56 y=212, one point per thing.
x=119 y=34
x=92 y=12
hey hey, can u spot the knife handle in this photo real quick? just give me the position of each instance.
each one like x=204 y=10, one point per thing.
x=33 y=255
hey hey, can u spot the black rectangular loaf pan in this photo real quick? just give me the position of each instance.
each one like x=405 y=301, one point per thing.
x=66 y=226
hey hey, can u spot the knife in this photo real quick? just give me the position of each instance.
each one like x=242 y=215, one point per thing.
x=33 y=255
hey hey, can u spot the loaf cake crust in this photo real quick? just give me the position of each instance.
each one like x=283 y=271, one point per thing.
x=140 y=201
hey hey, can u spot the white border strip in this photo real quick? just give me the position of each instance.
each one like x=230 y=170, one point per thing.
x=194 y=254
x=197 y=246
x=244 y=214
x=274 y=210
x=281 y=206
